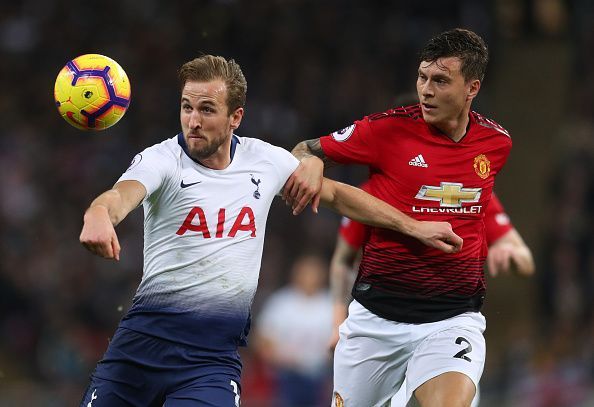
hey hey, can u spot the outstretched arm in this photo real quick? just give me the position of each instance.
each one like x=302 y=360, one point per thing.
x=106 y=211
x=303 y=186
x=358 y=205
x=510 y=249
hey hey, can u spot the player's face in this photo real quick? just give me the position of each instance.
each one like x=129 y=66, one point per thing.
x=444 y=94
x=205 y=120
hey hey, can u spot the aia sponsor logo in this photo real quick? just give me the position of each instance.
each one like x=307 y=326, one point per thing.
x=196 y=222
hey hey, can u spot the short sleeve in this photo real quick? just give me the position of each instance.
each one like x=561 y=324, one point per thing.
x=497 y=223
x=284 y=162
x=150 y=168
x=354 y=144
x=353 y=232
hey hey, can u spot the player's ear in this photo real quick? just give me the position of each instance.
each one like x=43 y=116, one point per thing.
x=473 y=88
x=236 y=117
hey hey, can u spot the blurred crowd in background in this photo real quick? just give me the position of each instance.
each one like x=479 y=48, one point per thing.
x=312 y=67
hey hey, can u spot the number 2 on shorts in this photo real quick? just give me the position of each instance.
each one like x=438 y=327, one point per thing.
x=463 y=352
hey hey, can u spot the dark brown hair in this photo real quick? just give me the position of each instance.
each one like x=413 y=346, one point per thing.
x=463 y=44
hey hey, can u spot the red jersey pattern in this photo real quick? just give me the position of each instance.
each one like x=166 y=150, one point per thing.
x=353 y=232
x=497 y=223
x=426 y=175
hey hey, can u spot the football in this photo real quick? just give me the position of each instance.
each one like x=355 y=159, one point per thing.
x=92 y=92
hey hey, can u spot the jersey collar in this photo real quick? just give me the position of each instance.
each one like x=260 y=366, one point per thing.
x=439 y=133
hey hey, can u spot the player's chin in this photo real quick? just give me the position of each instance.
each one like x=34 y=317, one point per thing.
x=201 y=151
x=430 y=117
x=196 y=144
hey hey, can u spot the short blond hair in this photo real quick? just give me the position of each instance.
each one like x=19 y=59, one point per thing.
x=211 y=67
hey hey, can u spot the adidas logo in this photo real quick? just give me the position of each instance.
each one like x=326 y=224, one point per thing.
x=418 y=161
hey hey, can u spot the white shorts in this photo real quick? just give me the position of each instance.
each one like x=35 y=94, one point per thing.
x=374 y=355
x=399 y=399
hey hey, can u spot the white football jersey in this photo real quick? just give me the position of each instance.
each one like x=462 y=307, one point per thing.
x=203 y=240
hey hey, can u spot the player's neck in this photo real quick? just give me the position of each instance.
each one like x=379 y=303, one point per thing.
x=456 y=128
x=215 y=163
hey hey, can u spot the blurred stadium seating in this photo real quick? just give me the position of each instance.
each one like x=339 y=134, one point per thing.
x=312 y=67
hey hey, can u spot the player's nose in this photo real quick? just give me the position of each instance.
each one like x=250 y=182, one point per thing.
x=427 y=89
x=195 y=121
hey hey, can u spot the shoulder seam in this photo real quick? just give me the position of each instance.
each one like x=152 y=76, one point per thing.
x=489 y=123
x=403 y=112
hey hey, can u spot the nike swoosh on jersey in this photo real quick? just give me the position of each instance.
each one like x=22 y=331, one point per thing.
x=188 y=185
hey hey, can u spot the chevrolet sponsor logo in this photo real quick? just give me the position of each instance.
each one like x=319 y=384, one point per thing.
x=466 y=210
x=449 y=194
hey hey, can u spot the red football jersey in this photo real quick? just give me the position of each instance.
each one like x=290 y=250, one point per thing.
x=497 y=224
x=426 y=175
x=353 y=232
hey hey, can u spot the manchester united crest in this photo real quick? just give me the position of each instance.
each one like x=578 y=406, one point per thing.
x=338 y=401
x=482 y=166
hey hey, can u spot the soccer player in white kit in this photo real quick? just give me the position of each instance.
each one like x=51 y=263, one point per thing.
x=206 y=194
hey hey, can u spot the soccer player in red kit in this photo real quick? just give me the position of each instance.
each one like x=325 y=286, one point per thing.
x=416 y=311
x=507 y=251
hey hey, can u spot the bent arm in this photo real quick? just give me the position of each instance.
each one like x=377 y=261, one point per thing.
x=303 y=186
x=311 y=148
x=106 y=211
x=358 y=205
